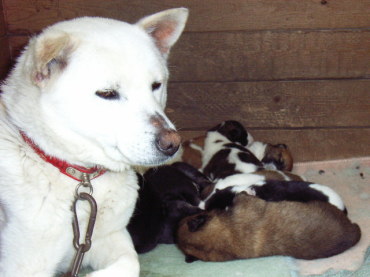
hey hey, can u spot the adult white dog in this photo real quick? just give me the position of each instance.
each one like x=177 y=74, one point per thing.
x=86 y=96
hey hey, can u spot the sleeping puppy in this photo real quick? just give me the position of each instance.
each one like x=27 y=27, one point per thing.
x=231 y=159
x=229 y=149
x=233 y=165
x=254 y=228
x=273 y=156
x=270 y=190
x=166 y=195
x=225 y=151
x=228 y=132
x=193 y=151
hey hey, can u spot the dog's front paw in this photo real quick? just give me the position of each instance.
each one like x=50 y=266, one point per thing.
x=116 y=271
x=103 y=273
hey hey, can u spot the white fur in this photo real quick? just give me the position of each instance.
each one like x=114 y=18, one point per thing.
x=211 y=147
x=242 y=179
x=239 y=182
x=196 y=147
x=334 y=197
x=258 y=149
x=241 y=166
x=56 y=106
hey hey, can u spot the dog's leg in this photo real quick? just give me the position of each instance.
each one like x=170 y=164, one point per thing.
x=26 y=251
x=115 y=254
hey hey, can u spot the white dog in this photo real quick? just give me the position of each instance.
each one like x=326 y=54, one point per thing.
x=86 y=95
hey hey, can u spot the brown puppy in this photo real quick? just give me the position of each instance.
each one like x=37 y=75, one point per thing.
x=255 y=228
x=193 y=151
x=273 y=156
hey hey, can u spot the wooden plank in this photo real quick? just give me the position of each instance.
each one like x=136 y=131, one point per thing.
x=334 y=103
x=241 y=56
x=25 y=16
x=16 y=44
x=2 y=21
x=5 y=57
x=313 y=144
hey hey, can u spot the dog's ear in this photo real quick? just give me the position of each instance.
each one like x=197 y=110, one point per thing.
x=195 y=223
x=51 y=53
x=165 y=27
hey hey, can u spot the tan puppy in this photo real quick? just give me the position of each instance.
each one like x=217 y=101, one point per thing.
x=193 y=151
x=273 y=156
x=255 y=228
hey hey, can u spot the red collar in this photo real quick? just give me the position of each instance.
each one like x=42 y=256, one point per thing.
x=74 y=171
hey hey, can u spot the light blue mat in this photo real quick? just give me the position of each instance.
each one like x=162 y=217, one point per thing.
x=168 y=261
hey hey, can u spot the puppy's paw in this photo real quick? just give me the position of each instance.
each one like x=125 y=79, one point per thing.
x=250 y=191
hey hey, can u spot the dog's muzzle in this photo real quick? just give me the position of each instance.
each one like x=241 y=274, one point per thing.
x=167 y=139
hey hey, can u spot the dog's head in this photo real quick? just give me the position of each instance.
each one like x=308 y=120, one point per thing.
x=233 y=131
x=93 y=90
x=278 y=156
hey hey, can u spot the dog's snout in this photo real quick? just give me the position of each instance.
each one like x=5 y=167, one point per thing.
x=168 y=141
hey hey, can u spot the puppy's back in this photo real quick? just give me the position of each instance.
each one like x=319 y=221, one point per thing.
x=305 y=230
x=256 y=228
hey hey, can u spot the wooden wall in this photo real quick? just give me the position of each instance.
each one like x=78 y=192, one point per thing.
x=293 y=71
x=4 y=45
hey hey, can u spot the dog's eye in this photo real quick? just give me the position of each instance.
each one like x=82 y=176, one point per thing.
x=108 y=94
x=156 y=86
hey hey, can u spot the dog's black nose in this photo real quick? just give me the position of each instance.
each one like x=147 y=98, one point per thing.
x=168 y=141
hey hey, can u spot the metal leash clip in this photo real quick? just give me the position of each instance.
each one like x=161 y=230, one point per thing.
x=82 y=248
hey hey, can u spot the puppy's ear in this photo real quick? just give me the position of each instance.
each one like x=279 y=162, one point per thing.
x=195 y=223
x=51 y=53
x=165 y=27
x=282 y=145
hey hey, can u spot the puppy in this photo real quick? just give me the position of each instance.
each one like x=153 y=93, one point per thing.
x=84 y=102
x=228 y=132
x=166 y=195
x=254 y=228
x=193 y=151
x=269 y=190
x=229 y=149
x=273 y=156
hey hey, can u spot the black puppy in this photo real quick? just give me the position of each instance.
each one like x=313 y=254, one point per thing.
x=166 y=195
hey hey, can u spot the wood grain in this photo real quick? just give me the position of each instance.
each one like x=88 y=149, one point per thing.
x=276 y=55
x=271 y=104
x=5 y=57
x=28 y=16
x=4 y=46
x=313 y=144
x=241 y=56
x=2 y=21
x=291 y=71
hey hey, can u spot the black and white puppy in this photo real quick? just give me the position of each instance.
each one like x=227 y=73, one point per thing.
x=166 y=195
x=225 y=151
x=270 y=190
x=235 y=169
